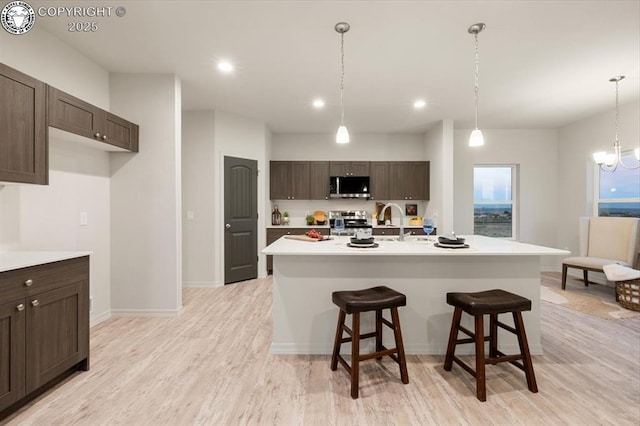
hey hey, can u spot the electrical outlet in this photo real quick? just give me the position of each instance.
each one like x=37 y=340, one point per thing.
x=84 y=218
x=189 y=214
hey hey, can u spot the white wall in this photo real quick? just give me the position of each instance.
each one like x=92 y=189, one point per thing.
x=198 y=166
x=439 y=150
x=363 y=146
x=241 y=137
x=146 y=243
x=576 y=169
x=209 y=136
x=34 y=217
x=43 y=56
x=534 y=151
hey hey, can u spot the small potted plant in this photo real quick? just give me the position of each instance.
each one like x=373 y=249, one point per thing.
x=310 y=219
x=285 y=218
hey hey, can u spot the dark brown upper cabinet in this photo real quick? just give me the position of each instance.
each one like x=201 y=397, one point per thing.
x=66 y=112
x=409 y=180
x=349 y=168
x=23 y=128
x=379 y=180
x=289 y=180
x=319 y=180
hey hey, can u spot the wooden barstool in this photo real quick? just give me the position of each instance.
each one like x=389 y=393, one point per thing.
x=491 y=302
x=355 y=302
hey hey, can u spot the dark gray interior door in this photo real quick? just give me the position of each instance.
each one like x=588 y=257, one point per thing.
x=241 y=219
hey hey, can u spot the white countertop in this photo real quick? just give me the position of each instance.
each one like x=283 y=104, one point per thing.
x=412 y=246
x=10 y=260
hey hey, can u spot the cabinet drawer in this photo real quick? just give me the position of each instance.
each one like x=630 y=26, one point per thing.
x=35 y=279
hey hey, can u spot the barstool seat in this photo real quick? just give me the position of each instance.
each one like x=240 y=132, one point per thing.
x=492 y=303
x=370 y=299
x=489 y=302
x=355 y=302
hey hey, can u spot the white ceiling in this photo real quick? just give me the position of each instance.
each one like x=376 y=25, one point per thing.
x=543 y=64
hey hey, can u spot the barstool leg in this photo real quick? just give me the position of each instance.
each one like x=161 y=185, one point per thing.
x=404 y=375
x=379 y=331
x=355 y=354
x=453 y=336
x=481 y=391
x=336 y=343
x=524 y=351
x=493 y=335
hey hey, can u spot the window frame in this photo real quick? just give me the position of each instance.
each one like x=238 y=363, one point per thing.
x=596 y=189
x=513 y=202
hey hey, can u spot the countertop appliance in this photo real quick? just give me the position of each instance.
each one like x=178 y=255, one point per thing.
x=349 y=187
x=352 y=218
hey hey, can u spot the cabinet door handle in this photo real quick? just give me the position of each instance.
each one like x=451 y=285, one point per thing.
x=35 y=302
x=20 y=307
x=97 y=135
x=227 y=226
x=28 y=283
x=104 y=137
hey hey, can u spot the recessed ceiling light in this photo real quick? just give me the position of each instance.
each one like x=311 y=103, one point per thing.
x=225 y=67
x=419 y=104
x=318 y=103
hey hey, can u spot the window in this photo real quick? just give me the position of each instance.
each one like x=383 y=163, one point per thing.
x=494 y=207
x=618 y=193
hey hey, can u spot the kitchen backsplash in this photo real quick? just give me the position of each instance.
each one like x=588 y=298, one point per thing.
x=299 y=209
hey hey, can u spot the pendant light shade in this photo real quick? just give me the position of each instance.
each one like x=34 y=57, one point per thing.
x=476 y=138
x=343 y=134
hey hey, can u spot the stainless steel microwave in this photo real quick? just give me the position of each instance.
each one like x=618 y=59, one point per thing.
x=349 y=187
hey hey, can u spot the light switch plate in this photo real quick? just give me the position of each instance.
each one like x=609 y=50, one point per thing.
x=84 y=218
x=189 y=214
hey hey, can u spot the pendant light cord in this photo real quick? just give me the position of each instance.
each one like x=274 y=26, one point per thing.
x=342 y=79
x=476 y=82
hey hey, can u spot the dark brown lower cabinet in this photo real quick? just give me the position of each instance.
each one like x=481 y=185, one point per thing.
x=44 y=327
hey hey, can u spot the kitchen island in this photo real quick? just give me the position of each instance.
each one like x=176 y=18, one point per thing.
x=306 y=273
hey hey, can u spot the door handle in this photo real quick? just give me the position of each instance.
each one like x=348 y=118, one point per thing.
x=227 y=226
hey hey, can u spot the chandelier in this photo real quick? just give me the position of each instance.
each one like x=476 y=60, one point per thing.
x=609 y=162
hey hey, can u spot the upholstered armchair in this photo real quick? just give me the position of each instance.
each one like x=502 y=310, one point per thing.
x=604 y=241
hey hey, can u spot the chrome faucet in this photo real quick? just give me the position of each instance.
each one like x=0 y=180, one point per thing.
x=401 y=236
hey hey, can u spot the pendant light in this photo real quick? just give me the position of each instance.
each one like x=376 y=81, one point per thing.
x=476 y=138
x=610 y=162
x=343 y=134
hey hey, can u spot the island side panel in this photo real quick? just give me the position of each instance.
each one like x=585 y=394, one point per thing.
x=304 y=317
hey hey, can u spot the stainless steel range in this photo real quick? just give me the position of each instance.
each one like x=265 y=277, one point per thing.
x=352 y=218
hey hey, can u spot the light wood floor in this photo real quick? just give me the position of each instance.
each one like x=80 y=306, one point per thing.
x=211 y=365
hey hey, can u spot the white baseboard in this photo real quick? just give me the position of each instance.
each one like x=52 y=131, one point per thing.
x=293 y=349
x=201 y=284
x=97 y=319
x=146 y=313
x=594 y=277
